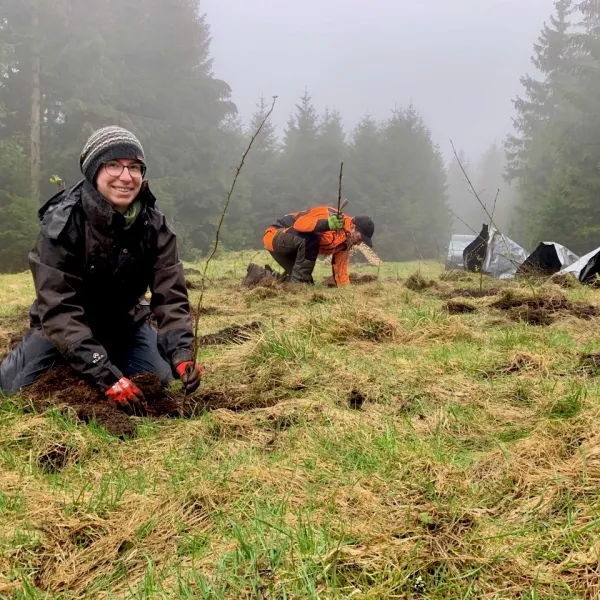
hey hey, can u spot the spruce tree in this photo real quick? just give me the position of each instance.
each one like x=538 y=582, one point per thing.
x=540 y=124
x=299 y=163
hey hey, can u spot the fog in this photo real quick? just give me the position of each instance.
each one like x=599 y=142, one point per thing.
x=458 y=61
x=166 y=75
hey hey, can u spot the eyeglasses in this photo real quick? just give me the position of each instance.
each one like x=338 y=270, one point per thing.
x=114 y=168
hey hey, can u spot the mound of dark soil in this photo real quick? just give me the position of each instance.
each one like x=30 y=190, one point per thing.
x=565 y=280
x=190 y=271
x=190 y=285
x=358 y=279
x=355 y=279
x=510 y=300
x=533 y=315
x=261 y=276
x=209 y=400
x=542 y=310
x=64 y=389
x=417 y=283
x=229 y=335
x=455 y=307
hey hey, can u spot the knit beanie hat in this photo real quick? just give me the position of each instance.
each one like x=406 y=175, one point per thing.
x=107 y=144
x=366 y=227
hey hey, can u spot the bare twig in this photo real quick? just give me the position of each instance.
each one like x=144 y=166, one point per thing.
x=220 y=225
x=463 y=222
x=491 y=217
x=340 y=190
x=495 y=201
x=473 y=190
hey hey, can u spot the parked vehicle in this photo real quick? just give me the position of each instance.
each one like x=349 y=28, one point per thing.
x=454 y=258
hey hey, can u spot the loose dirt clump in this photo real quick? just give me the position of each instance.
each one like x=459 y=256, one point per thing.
x=229 y=335
x=520 y=362
x=509 y=300
x=532 y=315
x=543 y=309
x=417 y=283
x=565 y=280
x=356 y=400
x=455 y=307
x=208 y=400
x=190 y=271
x=190 y=285
x=358 y=279
x=355 y=279
x=590 y=363
x=56 y=457
x=62 y=387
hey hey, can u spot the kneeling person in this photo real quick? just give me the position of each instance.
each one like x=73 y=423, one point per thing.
x=102 y=244
x=297 y=239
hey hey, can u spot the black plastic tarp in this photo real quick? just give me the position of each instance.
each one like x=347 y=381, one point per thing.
x=548 y=258
x=587 y=268
x=494 y=254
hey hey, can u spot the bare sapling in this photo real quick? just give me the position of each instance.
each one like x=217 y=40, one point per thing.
x=220 y=225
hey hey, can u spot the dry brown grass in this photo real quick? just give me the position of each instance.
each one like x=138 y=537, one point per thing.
x=469 y=468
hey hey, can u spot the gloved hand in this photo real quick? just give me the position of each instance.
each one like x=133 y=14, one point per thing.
x=126 y=395
x=190 y=374
x=336 y=222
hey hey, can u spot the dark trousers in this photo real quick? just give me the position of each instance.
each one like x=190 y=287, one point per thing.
x=297 y=253
x=36 y=354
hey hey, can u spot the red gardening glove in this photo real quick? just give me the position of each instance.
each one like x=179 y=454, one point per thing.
x=125 y=395
x=190 y=373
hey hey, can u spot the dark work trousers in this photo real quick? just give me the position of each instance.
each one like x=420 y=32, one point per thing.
x=297 y=253
x=36 y=354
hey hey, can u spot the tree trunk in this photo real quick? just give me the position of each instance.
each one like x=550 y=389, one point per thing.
x=36 y=108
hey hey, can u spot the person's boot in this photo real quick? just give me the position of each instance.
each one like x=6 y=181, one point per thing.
x=254 y=274
x=302 y=272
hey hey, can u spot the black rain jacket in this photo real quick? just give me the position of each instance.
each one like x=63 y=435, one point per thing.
x=91 y=276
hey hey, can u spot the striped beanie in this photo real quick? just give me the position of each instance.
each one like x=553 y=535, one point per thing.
x=107 y=144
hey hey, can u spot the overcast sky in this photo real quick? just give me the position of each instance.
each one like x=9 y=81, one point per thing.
x=458 y=61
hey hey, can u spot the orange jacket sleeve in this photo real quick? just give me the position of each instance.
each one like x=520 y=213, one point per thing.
x=314 y=220
x=339 y=263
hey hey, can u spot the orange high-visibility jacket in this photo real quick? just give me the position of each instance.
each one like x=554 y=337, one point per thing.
x=315 y=220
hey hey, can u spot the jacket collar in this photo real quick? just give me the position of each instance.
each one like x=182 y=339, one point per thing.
x=102 y=215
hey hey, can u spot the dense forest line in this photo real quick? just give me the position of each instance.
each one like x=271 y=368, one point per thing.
x=69 y=68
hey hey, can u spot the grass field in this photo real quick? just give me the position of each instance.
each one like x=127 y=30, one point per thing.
x=405 y=452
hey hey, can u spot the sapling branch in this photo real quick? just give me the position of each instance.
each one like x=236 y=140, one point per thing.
x=490 y=216
x=340 y=190
x=220 y=224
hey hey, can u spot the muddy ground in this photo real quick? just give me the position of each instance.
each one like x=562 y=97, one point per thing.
x=355 y=279
x=62 y=388
x=456 y=307
x=543 y=310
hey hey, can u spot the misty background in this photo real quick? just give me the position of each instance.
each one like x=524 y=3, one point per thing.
x=458 y=61
x=382 y=85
